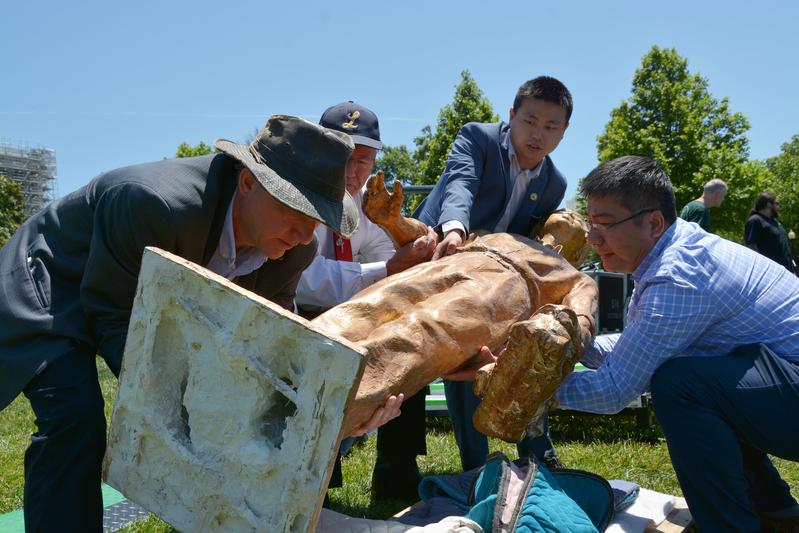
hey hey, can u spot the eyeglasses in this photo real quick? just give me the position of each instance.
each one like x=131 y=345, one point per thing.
x=604 y=227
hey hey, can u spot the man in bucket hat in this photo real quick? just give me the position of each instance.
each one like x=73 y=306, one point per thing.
x=68 y=278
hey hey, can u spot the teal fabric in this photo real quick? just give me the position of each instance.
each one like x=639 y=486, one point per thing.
x=484 y=496
x=545 y=506
x=592 y=493
x=548 y=508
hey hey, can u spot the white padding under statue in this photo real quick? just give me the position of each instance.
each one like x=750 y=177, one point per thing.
x=229 y=410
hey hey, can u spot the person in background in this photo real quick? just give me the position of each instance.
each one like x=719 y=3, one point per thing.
x=699 y=210
x=763 y=233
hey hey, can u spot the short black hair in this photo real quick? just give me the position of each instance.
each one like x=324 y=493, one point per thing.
x=638 y=182
x=763 y=200
x=545 y=88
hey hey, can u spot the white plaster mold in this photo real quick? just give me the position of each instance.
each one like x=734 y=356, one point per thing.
x=229 y=410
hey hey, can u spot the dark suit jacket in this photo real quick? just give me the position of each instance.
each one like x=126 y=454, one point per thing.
x=475 y=186
x=68 y=276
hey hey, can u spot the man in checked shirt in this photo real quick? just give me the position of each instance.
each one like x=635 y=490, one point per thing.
x=713 y=332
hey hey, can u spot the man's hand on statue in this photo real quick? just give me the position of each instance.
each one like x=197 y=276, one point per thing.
x=413 y=253
x=451 y=241
x=467 y=371
x=586 y=331
x=389 y=411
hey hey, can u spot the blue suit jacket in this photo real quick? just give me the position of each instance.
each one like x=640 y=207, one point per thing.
x=476 y=186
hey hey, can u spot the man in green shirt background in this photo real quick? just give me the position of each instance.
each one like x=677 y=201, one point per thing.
x=699 y=210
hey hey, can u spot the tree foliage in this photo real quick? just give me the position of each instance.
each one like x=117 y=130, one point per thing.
x=672 y=117
x=783 y=181
x=397 y=163
x=432 y=147
x=12 y=208
x=187 y=150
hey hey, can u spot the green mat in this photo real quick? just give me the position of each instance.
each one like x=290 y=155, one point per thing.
x=14 y=522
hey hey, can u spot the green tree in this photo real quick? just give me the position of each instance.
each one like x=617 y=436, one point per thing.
x=672 y=117
x=397 y=163
x=12 y=208
x=433 y=147
x=783 y=180
x=187 y=150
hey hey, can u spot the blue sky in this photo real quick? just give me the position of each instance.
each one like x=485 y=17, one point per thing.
x=108 y=84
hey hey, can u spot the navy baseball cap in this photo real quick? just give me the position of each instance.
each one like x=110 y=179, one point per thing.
x=355 y=120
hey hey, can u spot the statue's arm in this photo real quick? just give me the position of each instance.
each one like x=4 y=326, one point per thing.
x=384 y=209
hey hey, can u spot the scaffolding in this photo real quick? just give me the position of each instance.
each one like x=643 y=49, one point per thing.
x=34 y=168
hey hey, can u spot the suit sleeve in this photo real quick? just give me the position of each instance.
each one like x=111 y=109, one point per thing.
x=127 y=217
x=462 y=176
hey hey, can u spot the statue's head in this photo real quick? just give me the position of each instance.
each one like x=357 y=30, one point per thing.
x=566 y=232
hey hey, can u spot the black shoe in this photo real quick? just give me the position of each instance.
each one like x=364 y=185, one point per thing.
x=553 y=462
x=779 y=525
x=396 y=480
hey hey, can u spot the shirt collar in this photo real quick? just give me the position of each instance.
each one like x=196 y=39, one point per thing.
x=227 y=240
x=662 y=243
x=239 y=262
x=516 y=169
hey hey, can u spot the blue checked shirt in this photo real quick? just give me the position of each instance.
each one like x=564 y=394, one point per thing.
x=696 y=294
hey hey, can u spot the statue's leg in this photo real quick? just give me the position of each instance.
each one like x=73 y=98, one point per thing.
x=541 y=352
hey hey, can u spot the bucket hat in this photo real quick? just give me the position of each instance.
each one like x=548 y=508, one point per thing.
x=302 y=165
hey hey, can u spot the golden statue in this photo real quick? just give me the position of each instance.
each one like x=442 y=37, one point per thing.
x=498 y=290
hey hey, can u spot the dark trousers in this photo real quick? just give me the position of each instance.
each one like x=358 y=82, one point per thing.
x=473 y=445
x=403 y=438
x=63 y=461
x=721 y=416
x=400 y=440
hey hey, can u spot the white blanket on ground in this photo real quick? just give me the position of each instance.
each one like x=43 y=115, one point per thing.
x=333 y=522
x=650 y=508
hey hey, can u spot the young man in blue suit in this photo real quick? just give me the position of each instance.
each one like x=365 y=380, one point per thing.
x=499 y=178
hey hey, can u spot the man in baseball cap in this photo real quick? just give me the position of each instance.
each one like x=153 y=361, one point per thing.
x=69 y=278
x=345 y=266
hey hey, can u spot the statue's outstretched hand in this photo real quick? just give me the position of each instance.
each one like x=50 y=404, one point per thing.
x=381 y=206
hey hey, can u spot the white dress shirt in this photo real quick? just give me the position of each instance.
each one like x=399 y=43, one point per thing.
x=328 y=282
x=521 y=179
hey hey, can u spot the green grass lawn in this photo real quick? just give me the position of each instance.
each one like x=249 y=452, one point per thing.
x=613 y=447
